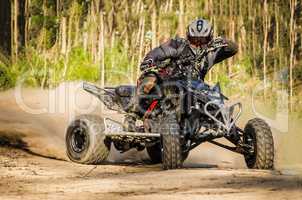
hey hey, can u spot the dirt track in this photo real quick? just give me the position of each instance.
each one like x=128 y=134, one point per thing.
x=210 y=172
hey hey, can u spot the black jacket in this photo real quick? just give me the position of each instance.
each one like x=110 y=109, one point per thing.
x=180 y=48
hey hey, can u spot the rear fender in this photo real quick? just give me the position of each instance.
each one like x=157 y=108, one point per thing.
x=106 y=95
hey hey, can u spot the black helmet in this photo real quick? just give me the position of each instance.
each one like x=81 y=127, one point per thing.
x=200 y=32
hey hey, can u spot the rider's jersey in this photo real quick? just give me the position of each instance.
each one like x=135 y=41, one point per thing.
x=179 y=48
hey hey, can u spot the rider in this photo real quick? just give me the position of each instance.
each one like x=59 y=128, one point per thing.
x=199 y=45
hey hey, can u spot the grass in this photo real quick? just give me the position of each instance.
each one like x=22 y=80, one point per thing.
x=36 y=69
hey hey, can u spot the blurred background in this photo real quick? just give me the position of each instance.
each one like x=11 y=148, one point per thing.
x=52 y=41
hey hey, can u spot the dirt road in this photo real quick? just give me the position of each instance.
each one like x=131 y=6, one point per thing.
x=42 y=172
x=25 y=176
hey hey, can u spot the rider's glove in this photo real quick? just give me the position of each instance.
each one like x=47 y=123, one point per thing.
x=217 y=43
x=147 y=64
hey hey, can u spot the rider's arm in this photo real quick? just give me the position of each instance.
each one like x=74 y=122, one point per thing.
x=219 y=50
x=229 y=49
x=166 y=50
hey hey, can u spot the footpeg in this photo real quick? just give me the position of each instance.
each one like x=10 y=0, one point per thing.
x=115 y=128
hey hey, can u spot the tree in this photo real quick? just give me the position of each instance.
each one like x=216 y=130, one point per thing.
x=5 y=24
x=292 y=46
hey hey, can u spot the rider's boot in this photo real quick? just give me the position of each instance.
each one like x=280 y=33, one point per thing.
x=137 y=107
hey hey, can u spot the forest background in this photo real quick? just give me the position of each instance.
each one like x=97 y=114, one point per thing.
x=46 y=42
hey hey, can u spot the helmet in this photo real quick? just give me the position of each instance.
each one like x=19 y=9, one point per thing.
x=199 y=32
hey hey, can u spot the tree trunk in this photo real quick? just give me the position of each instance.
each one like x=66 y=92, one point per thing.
x=153 y=24
x=277 y=43
x=265 y=32
x=254 y=38
x=69 y=35
x=93 y=32
x=141 y=45
x=85 y=37
x=44 y=42
x=5 y=24
x=170 y=5
x=21 y=23
x=15 y=30
x=292 y=46
x=231 y=34
x=27 y=23
x=18 y=27
x=102 y=49
x=126 y=15
x=181 y=27
x=63 y=35
x=139 y=26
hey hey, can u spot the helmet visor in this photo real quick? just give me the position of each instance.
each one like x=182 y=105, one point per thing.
x=199 y=41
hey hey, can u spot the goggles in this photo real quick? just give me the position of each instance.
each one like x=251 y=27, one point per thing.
x=199 y=41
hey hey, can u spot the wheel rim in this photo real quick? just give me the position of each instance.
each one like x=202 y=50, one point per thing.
x=250 y=157
x=78 y=139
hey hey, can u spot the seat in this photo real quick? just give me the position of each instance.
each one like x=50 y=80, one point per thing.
x=125 y=90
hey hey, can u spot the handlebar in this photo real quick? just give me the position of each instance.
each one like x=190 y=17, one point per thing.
x=180 y=62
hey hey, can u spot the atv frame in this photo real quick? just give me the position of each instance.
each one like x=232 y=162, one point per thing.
x=169 y=139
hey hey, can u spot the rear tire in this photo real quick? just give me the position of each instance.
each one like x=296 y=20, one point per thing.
x=85 y=140
x=171 y=142
x=258 y=134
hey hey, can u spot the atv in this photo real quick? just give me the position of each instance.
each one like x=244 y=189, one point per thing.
x=184 y=114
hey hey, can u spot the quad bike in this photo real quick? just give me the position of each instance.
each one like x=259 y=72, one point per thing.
x=185 y=114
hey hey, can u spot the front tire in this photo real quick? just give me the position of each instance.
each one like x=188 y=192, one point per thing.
x=172 y=154
x=85 y=140
x=258 y=135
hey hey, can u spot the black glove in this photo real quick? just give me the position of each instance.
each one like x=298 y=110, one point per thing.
x=146 y=64
x=217 y=43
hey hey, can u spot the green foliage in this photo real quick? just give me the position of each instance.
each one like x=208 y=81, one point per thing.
x=36 y=70
x=30 y=69
x=297 y=71
x=44 y=65
x=117 y=65
x=247 y=64
x=5 y=77
x=80 y=66
x=172 y=20
x=223 y=80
